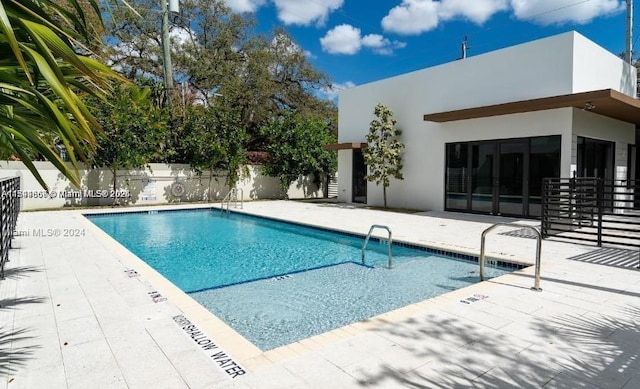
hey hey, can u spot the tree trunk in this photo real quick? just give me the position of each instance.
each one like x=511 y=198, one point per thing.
x=384 y=195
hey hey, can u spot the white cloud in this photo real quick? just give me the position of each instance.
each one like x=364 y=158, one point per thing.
x=564 y=11
x=380 y=44
x=413 y=17
x=331 y=92
x=299 y=12
x=342 y=39
x=346 y=39
x=478 y=11
x=305 y=12
x=244 y=5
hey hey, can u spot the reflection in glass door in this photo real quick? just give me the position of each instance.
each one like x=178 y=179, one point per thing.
x=482 y=176
x=512 y=178
x=500 y=177
x=595 y=158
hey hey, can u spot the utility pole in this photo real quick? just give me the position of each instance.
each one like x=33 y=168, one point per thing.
x=464 y=48
x=166 y=52
x=628 y=54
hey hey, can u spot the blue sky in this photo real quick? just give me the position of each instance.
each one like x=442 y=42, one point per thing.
x=359 y=41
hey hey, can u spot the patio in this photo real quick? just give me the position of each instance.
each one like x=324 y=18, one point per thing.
x=77 y=310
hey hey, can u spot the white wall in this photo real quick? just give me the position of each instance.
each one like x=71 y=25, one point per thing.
x=536 y=69
x=595 y=68
x=345 y=187
x=145 y=186
x=594 y=126
x=547 y=67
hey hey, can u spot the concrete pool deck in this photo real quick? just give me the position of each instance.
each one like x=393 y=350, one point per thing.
x=77 y=310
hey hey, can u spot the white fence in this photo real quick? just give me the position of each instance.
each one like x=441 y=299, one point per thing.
x=157 y=184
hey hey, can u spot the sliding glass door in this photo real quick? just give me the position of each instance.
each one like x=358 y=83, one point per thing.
x=512 y=177
x=500 y=177
x=482 y=177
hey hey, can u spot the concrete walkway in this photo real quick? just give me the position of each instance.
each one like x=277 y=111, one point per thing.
x=77 y=310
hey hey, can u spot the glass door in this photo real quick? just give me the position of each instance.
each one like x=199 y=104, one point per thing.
x=359 y=178
x=595 y=158
x=482 y=176
x=500 y=177
x=511 y=179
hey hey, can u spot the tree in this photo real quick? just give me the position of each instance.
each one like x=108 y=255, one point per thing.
x=215 y=141
x=42 y=77
x=383 y=154
x=295 y=148
x=275 y=78
x=135 y=130
x=217 y=53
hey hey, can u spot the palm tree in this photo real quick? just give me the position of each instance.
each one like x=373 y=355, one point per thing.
x=44 y=70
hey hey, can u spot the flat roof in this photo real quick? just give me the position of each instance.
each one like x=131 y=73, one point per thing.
x=606 y=102
x=345 y=146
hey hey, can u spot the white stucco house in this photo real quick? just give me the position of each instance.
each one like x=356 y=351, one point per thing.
x=482 y=132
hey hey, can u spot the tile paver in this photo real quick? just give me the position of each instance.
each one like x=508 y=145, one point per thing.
x=84 y=323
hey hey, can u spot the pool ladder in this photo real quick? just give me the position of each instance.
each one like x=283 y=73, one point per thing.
x=232 y=196
x=536 y=284
x=366 y=241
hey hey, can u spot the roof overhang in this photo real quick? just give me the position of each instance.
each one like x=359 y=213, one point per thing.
x=345 y=146
x=606 y=102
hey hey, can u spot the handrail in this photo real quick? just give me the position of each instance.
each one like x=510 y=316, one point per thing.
x=233 y=196
x=536 y=285
x=225 y=200
x=241 y=198
x=366 y=241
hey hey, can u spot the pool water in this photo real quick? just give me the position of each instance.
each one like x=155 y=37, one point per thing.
x=276 y=283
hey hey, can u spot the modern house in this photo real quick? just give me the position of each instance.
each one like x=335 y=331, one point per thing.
x=481 y=133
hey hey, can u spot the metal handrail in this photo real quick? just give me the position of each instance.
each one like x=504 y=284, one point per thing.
x=366 y=241
x=241 y=198
x=233 y=195
x=224 y=201
x=536 y=285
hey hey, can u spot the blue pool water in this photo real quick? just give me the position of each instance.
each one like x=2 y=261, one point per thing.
x=276 y=282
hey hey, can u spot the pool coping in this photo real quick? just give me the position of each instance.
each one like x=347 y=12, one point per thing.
x=246 y=353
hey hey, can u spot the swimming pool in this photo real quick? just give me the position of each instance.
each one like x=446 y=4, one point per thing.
x=277 y=282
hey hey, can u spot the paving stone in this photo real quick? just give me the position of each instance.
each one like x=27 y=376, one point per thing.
x=579 y=332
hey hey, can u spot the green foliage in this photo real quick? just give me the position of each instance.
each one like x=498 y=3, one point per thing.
x=135 y=130
x=42 y=77
x=383 y=154
x=295 y=148
x=214 y=140
x=259 y=75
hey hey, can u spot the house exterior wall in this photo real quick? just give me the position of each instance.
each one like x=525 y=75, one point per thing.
x=345 y=189
x=595 y=68
x=594 y=126
x=558 y=65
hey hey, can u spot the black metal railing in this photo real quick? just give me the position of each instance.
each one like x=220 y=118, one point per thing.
x=9 y=209
x=591 y=210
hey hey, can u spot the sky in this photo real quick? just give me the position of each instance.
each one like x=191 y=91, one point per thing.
x=359 y=41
